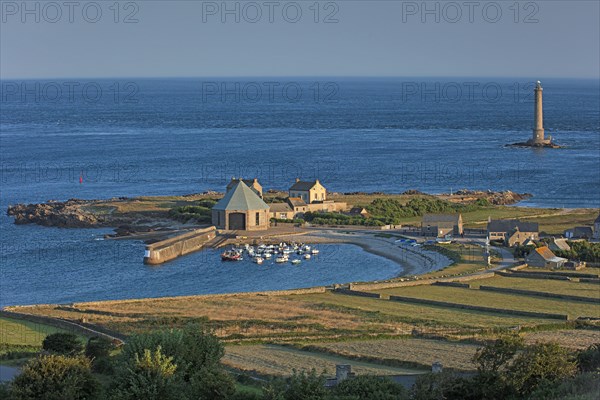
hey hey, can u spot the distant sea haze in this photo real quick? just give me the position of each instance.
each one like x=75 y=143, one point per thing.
x=131 y=137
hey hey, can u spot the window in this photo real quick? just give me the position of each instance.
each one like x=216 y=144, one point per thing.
x=257 y=218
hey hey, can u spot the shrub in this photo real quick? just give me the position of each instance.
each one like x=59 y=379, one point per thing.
x=62 y=343
x=147 y=377
x=588 y=360
x=98 y=347
x=541 y=363
x=368 y=387
x=56 y=377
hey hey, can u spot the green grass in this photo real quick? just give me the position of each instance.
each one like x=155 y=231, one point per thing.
x=15 y=332
x=419 y=314
x=543 y=285
x=497 y=300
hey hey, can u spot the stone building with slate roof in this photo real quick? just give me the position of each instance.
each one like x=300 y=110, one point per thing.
x=543 y=257
x=241 y=209
x=310 y=192
x=439 y=225
x=251 y=183
x=512 y=231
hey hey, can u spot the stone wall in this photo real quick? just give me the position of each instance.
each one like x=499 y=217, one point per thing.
x=478 y=308
x=396 y=284
x=169 y=249
x=540 y=294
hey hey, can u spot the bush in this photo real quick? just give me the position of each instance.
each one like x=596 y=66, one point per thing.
x=98 y=347
x=147 y=377
x=584 y=386
x=539 y=365
x=62 y=343
x=588 y=360
x=367 y=387
x=56 y=377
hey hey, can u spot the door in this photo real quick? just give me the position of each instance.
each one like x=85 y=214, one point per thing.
x=237 y=222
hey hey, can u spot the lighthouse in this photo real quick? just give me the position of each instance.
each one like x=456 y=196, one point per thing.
x=538 y=128
x=538 y=139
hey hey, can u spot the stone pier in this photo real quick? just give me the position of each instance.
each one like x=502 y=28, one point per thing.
x=170 y=249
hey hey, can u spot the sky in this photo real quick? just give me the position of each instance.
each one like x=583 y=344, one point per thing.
x=156 y=38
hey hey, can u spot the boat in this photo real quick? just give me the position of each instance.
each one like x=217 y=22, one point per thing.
x=267 y=255
x=296 y=261
x=231 y=256
x=281 y=259
x=258 y=260
x=314 y=251
x=307 y=256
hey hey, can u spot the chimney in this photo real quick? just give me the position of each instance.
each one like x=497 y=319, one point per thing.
x=297 y=179
x=436 y=367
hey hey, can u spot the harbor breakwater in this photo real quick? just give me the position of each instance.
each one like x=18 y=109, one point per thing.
x=170 y=249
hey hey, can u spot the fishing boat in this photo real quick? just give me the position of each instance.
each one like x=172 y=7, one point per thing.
x=231 y=256
x=296 y=261
x=307 y=256
x=281 y=259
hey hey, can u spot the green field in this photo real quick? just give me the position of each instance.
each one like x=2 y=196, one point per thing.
x=14 y=332
x=498 y=300
x=434 y=316
x=543 y=285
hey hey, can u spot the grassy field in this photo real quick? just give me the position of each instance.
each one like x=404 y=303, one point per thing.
x=468 y=259
x=584 y=271
x=499 y=300
x=15 y=332
x=280 y=361
x=575 y=339
x=405 y=351
x=543 y=285
x=420 y=315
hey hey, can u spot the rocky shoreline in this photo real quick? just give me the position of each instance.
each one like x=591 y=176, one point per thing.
x=78 y=213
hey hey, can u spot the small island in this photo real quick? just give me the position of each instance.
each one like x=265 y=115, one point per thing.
x=538 y=139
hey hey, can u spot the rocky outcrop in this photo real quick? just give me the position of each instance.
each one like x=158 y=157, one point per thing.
x=68 y=214
x=496 y=198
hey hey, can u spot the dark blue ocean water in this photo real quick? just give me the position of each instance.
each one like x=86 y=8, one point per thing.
x=130 y=137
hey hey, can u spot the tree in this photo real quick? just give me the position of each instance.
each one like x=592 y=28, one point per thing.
x=98 y=351
x=211 y=384
x=56 y=377
x=305 y=386
x=98 y=347
x=62 y=343
x=443 y=386
x=588 y=360
x=495 y=356
x=149 y=377
x=366 y=387
x=542 y=362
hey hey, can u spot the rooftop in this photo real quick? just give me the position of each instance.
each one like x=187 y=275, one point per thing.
x=507 y=225
x=304 y=185
x=241 y=198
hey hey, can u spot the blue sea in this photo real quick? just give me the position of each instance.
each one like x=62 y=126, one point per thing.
x=133 y=137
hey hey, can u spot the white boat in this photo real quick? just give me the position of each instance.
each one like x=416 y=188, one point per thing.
x=307 y=256
x=296 y=261
x=314 y=251
x=258 y=260
x=267 y=255
x=281 y=259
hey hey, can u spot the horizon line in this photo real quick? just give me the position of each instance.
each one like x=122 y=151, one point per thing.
x=595 y=78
